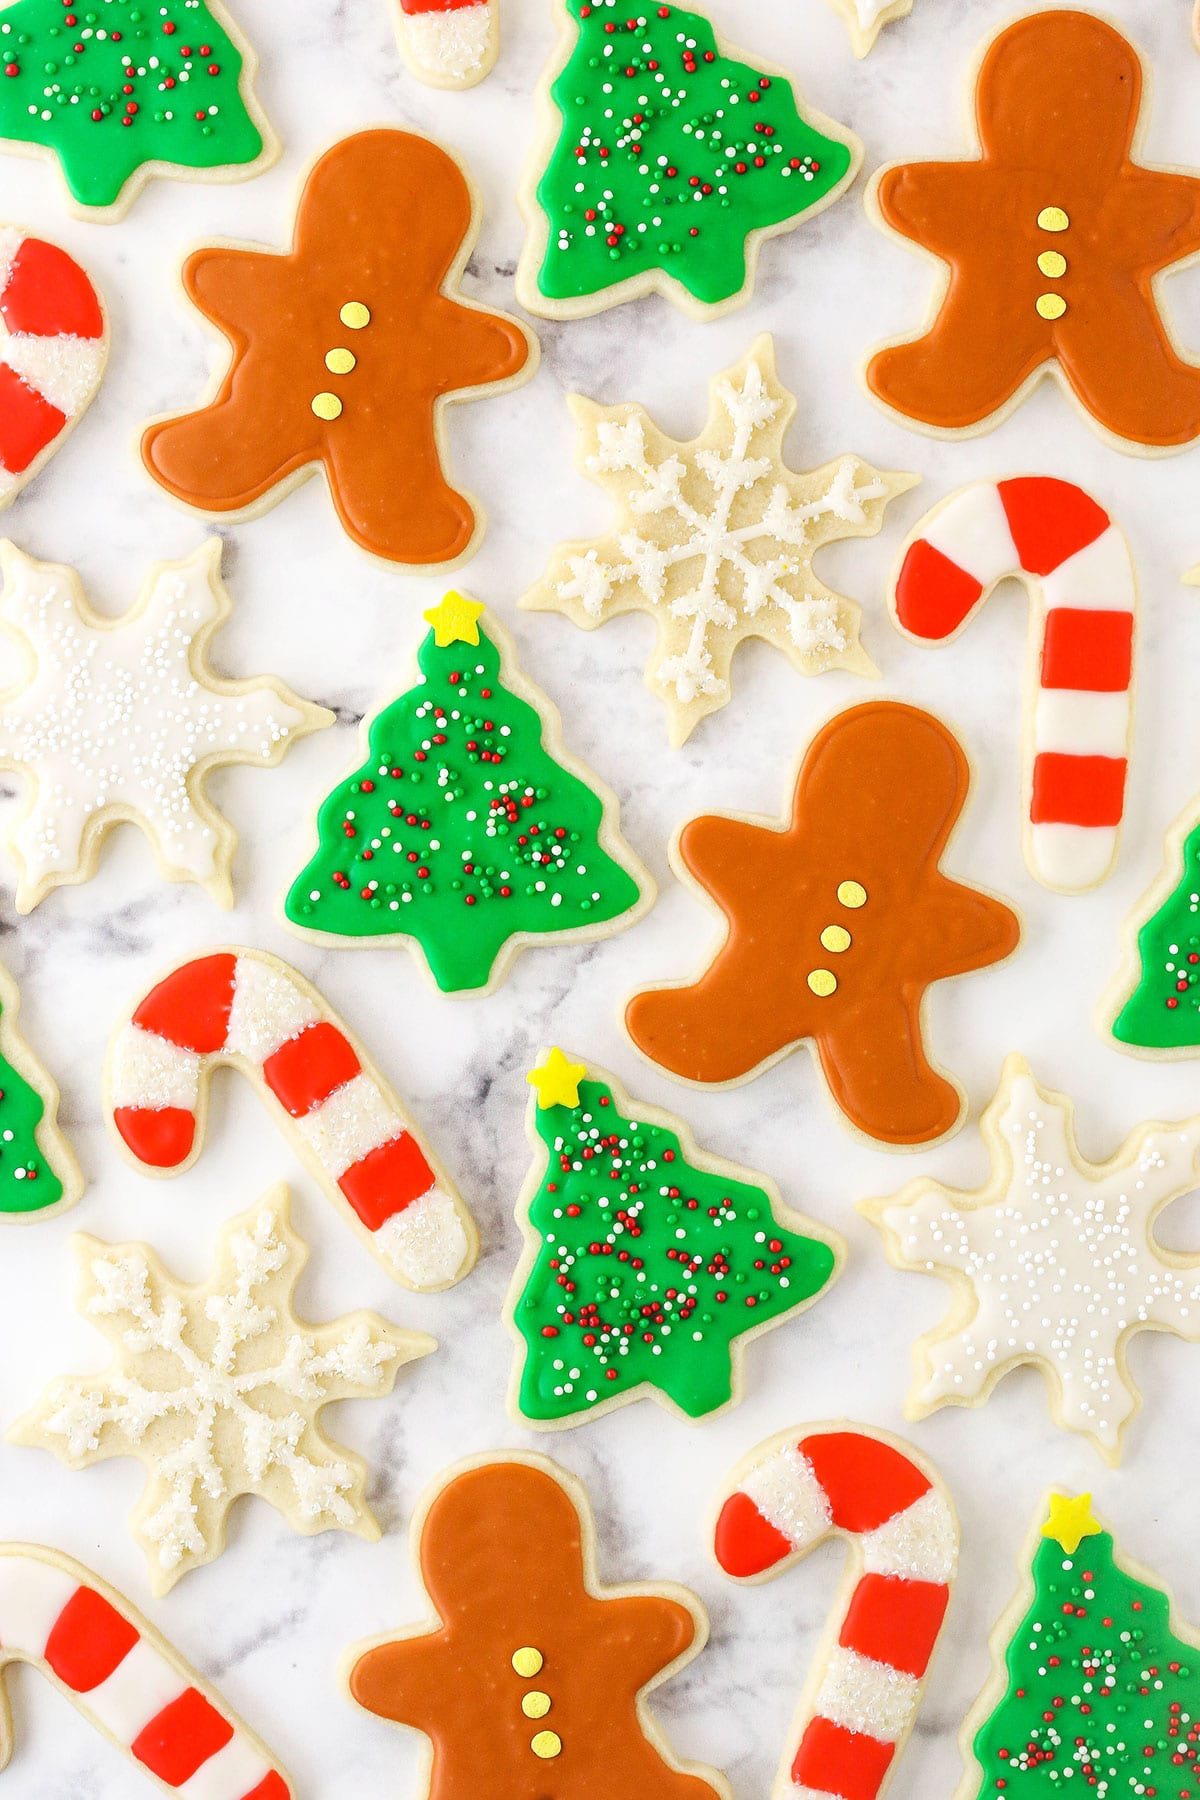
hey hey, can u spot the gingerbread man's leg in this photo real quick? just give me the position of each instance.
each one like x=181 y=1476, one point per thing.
x=712 y=1031
x=391 y=494
x=968 y=364
x=880 y=1077
x=1121 y=364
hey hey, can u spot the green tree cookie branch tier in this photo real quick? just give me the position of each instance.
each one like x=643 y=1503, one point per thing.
x=1163 y=1011
x=670 y=154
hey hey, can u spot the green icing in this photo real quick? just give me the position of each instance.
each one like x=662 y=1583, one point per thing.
x=648 y=1268
x=27 y=1182
x=1163 y=1012
x=460 y=830
x=1102 y=1698
x=670 y=154
x=112 y=84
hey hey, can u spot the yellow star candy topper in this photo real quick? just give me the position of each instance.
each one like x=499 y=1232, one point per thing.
x=557 y=1081
x=454 y=620
x=1071 y=1521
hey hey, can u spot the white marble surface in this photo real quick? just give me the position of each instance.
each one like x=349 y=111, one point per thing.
x=271 y=1618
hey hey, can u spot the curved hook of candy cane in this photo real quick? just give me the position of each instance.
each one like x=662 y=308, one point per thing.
x=125 y=1679
x=253 y=1011
x=868 y=1677
x=449 y=43
x=1079 y=571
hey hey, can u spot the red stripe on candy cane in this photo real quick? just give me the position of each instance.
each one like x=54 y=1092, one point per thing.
x=1077 y=566
x=255 y=1013
x=181 y=1738
x=894 y=1511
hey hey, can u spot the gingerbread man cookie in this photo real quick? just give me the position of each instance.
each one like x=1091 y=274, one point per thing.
x=1053 y=237
x=839 y=919
x=347 y=349
x=530 y=1681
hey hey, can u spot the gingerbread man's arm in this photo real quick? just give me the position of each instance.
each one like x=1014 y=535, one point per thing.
x=402 y=1681
x=972 y=929
x=1152 y=218
x=479 y=346
x=937 y=204
x=647 y=1633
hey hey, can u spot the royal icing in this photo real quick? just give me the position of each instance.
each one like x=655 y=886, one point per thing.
x=118 y=90
x=647 y=1263
x=1093 y=1689
x=1156 y=998
x=254 y=1012
x=865 y=19
x=839 y=919
x=1079 y=571
x=38 y=1171
x=217 y=1390
x=895 y=1513
x=346 y=351
x=1053 y=236
x=530 y=1679
x=468 y=829
x=1054 y=1263
x=669 y=157
x=715 y=539
x=53 y=348
x=449 y=43
x=127 y=1680
x=123 y=719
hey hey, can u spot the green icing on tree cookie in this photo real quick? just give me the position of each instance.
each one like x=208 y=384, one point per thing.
x=1163 y=1012
x=460 y=830
x=28 y=1184
x=111 y=84
x=1102 y=1697
x=670 y=155
x=648 y=1267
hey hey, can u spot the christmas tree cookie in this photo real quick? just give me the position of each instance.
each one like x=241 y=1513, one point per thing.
x=38 y=1171
x=530 y=1679
x=1095 y=1688
x=648 y=1265
x=1153 y=1007
x=664 y=161
x=126 y=90
x=468 y=829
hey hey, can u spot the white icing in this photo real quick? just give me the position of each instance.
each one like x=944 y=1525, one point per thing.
x=863 y=1695
x=218 y=1392
x=32 y=1594
x=149 y=1072
x=1072 y=857
x=718 y=540
x=788 y=1495
x=355 y=1120
x=1081 y=723
x=66 y=370
x=450 y=46
x=918 y=1544
x=972 y=530
x=136 y=1692
x=869 y=12
x=124 y=716
x=426 y=1243
x=1099 y=577
x=11 y=239
x=235 y=1771
x=1060 y=1258
x=269 y=1009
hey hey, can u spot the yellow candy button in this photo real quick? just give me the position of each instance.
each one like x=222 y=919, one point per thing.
x=546 y=1744
x=1051 y=306
x=535 y=1705
x=355 y=315
x=823 y=982
x=835 y=938
x=1053 y=218
x=852 y=893
x=340 y=362
x=1052 y=264
x=527 y=1661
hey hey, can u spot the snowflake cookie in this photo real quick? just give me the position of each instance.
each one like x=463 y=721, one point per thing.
x=124 y=718
x=1054 y=1263
x=715 y=539
x=218 y=1389
x=865 y=19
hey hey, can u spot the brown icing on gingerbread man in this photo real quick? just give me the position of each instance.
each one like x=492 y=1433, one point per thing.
x=346 y=350
x=529 y=1685
x=838 y=922
x=1053 y=238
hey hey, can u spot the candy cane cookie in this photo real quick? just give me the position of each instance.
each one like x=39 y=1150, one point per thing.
x=448 y=43
x=1077 y=566
x=126 y=1680
x=868 y=1676
x=254 y=1012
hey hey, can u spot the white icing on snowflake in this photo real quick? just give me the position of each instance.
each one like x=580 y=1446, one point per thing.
x=217 y=1390
x=1058 y=1257
x=122 y=719
x=716 y=540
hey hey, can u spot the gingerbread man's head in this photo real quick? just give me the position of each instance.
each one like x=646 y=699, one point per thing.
x=1065 y=92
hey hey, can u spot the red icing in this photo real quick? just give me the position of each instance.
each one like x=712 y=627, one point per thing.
x=866 y=1482
x=88 y=1640
x=386 y=1180
x=434 y=6
x=933 y=595
x=836 y=1761
x=183 y=1736
x=272 y=1787
x=27 y=422
x=48 y=294
x=745 y=1542
x=161 y=1139
x=191 y=1007
x=1077 y=790
x=1050 y=520
x=894 y=1621
x=307 y=1069
x=1087 y=650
